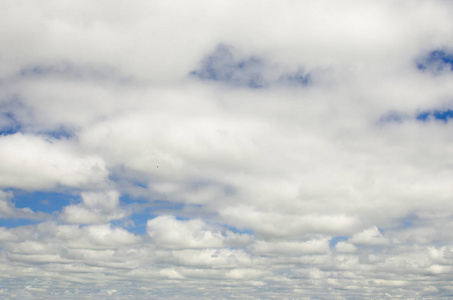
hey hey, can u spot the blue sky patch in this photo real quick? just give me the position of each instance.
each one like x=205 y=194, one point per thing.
x=43 y=201
x=238 y=230
x=9 y=130
x=442 y=115
x=8 y=123
x=423 y=116
x=150 y=211
x=144 y=210
x=437 y=61
x=140 y=221
x=11 y=223
x=334 y=241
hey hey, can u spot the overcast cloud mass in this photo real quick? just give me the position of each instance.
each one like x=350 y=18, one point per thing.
x=226 y=149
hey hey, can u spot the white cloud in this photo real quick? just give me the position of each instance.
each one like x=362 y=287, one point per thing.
x=281 y=224
x=314 y=246
x=105 y=235
x=167 y=231
x=241 y=274
x=219 y=257
x=345 y=247
x=50 y=238
x=99 y=207
x=369 y=237
x=32 y=162
x=293 y=165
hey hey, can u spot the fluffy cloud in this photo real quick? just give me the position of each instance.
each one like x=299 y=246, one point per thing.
x=272 y=149
x=345 y=247
x=33 y=162
x=167 y=231
x=95 y=208
x=369 y=237
x=315 y=246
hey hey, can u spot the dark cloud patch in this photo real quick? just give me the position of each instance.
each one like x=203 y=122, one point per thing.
x=227 y=66
x=392 y=117
x=9 y=121
x=297 y=78
x=70 y=71
x=223 y=65
x=8 y=124
x=60 y=133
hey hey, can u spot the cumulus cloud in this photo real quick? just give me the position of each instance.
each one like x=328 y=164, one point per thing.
x=100 y=207
x=33 y=162
x=167 y=231
x=315 y=246
x=33 y=239
x=266 y=149
x=369 y=237
x=345 y=247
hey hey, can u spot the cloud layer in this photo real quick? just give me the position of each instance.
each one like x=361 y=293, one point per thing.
x=276 y=149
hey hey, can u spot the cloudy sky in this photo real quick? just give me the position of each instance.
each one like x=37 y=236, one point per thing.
x=220 y=149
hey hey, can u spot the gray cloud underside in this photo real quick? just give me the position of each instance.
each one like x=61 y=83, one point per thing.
x=283 y=136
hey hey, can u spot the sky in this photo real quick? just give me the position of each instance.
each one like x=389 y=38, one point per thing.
x=226 y=149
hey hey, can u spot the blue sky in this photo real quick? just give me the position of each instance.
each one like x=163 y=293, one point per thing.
x=262 y=149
